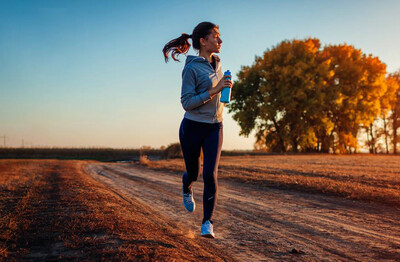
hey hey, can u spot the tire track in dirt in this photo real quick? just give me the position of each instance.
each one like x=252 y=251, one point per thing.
x=260 y=224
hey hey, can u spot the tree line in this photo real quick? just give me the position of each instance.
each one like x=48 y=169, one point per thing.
x=300 y=97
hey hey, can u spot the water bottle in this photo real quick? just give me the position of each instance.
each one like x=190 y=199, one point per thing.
x=226 y=91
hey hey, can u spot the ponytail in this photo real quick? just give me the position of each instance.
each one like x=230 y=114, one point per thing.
x=181 y=44
x=177 y=46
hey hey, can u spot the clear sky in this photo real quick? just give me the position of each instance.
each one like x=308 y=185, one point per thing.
x=91 y=73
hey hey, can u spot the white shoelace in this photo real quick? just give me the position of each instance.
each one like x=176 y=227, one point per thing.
x=187 y=197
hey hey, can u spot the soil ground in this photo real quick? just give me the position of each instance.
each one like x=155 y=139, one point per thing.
x=87 y=210
x=257 y=223
x=54 y=210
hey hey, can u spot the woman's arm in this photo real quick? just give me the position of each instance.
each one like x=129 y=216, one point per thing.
x=189 y=97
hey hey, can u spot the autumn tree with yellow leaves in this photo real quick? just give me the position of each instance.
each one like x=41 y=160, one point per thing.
x=355 y=90
x=392 y=110
x=300 y=97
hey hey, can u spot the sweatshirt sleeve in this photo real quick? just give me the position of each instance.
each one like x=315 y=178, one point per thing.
x=190 y=99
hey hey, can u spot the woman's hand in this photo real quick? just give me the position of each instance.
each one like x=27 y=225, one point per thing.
x=224 y=82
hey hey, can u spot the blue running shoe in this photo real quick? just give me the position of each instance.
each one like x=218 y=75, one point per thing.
x=188 y=201
x=207 y=229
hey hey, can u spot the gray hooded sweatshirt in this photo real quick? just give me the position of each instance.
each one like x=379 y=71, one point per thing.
x=198 y=76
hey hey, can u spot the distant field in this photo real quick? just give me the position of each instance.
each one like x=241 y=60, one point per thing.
x=101 y=154
x=363 y=177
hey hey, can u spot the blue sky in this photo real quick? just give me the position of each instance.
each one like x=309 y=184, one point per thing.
x=91 y=73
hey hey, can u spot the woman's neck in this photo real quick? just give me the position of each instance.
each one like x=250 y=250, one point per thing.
x=206 y=55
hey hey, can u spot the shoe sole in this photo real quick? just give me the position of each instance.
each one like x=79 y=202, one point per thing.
x=208 y=236
x=190 y=211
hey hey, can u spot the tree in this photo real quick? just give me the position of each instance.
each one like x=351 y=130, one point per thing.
x=394 y=103
x=281 y=97
x=388 y=103
x=299 y=97
x=354 y=90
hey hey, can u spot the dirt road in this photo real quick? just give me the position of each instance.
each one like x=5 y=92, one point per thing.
x=264 y=224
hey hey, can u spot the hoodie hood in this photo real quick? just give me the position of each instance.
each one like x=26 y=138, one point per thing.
x=200 y=59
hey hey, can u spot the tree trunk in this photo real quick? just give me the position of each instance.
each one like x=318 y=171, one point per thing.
x=372 y=150
x=386 y=135
x=332 y=141
x=394 y=140
x=395 y=126
x=369 y=140
x=294 y=144
x=324 y=146
x=280 y=142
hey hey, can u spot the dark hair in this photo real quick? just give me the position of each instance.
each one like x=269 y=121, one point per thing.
x=181 y=44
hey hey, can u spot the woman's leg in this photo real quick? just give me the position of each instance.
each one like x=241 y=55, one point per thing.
x=211 y=150
x=190 y=140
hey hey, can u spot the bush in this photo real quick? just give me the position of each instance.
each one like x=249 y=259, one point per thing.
x=173 y=151
x=143 y=160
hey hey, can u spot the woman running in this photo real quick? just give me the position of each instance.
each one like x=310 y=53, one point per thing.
x=201 y=127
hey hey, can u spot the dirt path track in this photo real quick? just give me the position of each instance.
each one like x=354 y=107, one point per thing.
x=263 y=224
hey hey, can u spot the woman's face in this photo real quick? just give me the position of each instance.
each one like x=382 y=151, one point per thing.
x=212 y=42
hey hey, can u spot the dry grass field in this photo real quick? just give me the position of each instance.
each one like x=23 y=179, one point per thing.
x=363 y=177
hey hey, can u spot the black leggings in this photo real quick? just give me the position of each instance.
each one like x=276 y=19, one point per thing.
x=193 y=136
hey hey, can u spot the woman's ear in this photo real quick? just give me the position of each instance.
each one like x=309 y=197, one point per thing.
x=202 y=42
